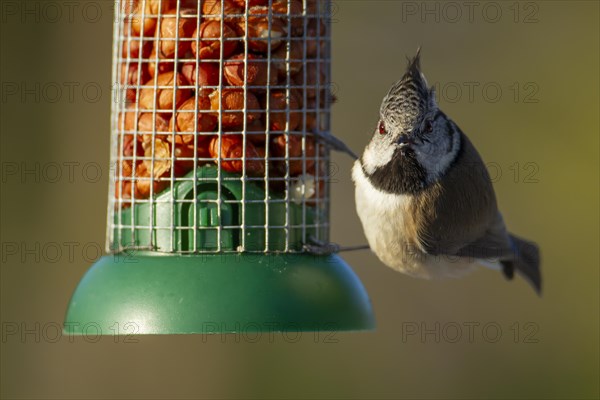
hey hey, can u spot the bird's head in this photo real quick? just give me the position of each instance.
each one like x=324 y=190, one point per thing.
x=414 y=142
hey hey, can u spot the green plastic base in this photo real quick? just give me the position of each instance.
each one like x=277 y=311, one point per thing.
x=218 y=293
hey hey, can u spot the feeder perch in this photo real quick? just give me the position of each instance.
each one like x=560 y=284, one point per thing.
x=219 y=181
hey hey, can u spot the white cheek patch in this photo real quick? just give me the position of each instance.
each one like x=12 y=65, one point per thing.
x=377 y=155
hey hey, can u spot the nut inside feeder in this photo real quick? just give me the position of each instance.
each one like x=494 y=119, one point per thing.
x=215 y=153
x=222 y=92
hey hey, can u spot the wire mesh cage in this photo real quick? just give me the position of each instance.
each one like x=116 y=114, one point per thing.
x=214 y=130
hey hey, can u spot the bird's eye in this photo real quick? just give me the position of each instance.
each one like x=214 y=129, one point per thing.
x=382 y=130
x=428 y=126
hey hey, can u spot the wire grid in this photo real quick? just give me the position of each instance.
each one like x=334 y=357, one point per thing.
x=147 y=157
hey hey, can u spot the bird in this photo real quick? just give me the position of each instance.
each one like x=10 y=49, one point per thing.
x=424 y=197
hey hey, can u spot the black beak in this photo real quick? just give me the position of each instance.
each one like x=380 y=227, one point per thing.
x=405 y=140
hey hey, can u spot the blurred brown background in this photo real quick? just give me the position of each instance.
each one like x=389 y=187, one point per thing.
x=532 y=112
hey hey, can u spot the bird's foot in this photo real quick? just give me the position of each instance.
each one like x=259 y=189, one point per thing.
x=321 y=248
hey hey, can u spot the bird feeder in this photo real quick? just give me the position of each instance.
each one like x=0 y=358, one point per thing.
x=219 y=177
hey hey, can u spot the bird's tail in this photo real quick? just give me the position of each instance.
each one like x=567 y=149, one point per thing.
x=526 y=262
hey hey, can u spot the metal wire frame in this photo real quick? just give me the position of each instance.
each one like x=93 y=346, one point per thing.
x=320 y=201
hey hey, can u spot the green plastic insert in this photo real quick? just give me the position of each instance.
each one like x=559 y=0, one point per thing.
x=168 y=223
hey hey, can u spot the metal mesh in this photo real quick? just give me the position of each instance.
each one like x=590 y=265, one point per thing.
x=213 y=125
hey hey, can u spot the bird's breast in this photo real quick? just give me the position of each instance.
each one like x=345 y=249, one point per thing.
x=384 y=217
x=392 y=233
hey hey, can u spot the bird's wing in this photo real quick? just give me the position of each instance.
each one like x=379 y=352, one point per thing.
x=493 y=245
x=459 y=215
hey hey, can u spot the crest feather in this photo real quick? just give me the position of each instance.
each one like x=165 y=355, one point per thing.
x=414 y=64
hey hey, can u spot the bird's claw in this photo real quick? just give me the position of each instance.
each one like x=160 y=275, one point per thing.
x=319 y=247
x=335 y=143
